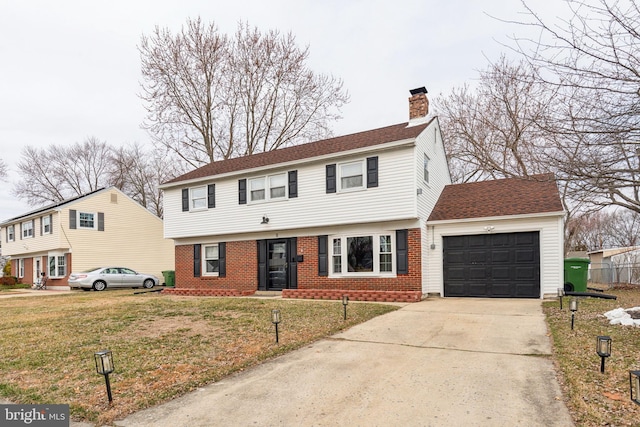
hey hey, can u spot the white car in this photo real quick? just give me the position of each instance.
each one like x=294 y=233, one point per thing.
x=102 y=278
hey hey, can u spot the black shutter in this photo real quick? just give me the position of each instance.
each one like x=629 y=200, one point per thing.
x=41 y=225
x=20 y=231
x=72 y=219
x=293 y=184
x=211 y=196
x=185 y=200
x=331 y=178
x=402 y=252
x=100 y=221
x=242 y=192
x=372 y=172
x=196 y=260
x=222 y=259
x=262 y=265
x=323 y=256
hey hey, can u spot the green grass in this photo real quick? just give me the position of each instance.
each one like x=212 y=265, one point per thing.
x=162 y=346
x=9 y=288
x=593 y=398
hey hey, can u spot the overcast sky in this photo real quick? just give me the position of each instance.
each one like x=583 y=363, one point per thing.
x=71 y=69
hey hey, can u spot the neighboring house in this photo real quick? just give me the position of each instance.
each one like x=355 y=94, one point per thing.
x=339 y=216
x=615 y=265
x=500 y=238
x=105 y=227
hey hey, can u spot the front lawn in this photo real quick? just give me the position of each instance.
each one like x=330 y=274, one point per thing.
x=162 y=346
x=596 y=399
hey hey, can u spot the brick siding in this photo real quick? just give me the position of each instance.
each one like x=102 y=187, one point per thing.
x=242 y=275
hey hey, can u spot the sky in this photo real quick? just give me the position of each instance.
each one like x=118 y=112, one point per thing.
x=70 y=69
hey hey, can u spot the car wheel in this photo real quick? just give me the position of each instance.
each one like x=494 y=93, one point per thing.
x=148 y=284
x=99 y=285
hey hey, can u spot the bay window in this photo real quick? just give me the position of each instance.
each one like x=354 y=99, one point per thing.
x=57 y=265
x=362 y=254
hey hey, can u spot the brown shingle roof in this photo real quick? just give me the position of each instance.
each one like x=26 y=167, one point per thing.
x=501 y=197
x=304 y=151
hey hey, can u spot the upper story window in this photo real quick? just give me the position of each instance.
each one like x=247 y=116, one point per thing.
x=265 y=188
x=198 y=198
x=11 y=233
x=426 y=168
x=86 y=220
x=46 y=224
x=27 y=229
x=350 y=176
x=365 y=254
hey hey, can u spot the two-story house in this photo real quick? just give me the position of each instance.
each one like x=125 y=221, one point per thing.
x=105 y=227
x=339 y=216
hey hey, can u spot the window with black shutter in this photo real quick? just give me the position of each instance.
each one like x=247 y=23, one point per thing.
x=331 y=178
x=372 y=172
x=242 y=192
x=323 y=256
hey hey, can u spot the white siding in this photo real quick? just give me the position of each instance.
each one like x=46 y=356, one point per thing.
x=132 y=236
x=551 y=247
x=429 y=142
x=393 y=199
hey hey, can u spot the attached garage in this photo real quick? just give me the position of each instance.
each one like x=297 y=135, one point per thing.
x=496 y=239
x=505 y=265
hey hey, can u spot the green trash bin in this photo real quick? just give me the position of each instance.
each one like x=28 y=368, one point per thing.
x=576 y=273
x=169 y=278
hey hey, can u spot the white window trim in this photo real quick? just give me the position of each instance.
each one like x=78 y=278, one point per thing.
x=21 y=267
x=203 y=267
x=56 y=255
x=192 y=208
x=44 y=231
x=95 y=220
x=266 y=181
x=376 y=255
x=24 y=229
x=425 y=168
x=363 y=170
x=11 y=237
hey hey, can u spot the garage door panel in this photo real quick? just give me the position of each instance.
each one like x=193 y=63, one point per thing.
x=492 y=265
x=500 y=256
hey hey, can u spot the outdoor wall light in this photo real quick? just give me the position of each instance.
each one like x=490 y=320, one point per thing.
x=345 y=302
x=634 y=386
x=265 y=219
x=560 y=295
x=573 y=306
x=603 y=348
x=275 y=319
x=104 y=366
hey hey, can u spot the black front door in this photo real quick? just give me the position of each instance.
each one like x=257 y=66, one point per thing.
x=277 y=264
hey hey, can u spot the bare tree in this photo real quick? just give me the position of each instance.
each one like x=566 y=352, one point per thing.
x=210 y=97
x=592 y=62
x=494 y=129
x=3 y=169
x=591 y=231
x=56 y=173
x=138 y=173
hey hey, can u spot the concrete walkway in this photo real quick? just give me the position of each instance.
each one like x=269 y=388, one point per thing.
x=440 y=362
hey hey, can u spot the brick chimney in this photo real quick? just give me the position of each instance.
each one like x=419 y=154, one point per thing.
x=418 y=103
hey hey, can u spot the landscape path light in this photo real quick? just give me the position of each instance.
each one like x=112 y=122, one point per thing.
x=345 y=302
x=104 y=366
x=275 y=319
x=603 y=348
x=634 y=386
x=560 y=295
x=573 y=306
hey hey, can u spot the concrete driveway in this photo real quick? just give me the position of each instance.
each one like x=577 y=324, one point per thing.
x=440 y=362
